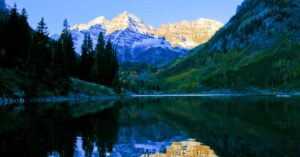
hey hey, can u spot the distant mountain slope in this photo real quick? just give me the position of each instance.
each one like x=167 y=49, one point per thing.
x=259 y=47
x=189 y=34
x=136 y=41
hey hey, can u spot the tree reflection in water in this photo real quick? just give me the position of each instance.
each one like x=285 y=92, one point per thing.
x=242 y=126
x=39 y=130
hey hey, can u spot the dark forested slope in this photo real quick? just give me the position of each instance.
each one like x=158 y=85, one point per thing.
x=259 y=47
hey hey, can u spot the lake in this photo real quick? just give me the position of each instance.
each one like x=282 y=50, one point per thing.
x=145 y=126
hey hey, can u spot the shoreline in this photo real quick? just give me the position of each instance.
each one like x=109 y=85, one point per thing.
x=218 y=95
x=84 y=98
x=59 y=99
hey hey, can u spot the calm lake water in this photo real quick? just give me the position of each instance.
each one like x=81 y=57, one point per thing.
x=221 y=126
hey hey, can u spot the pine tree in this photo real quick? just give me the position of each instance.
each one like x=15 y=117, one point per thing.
x=115 y=69
x=33 y=55
x=115 y=63
x=17 y=39
x=59 y=68
x=68 y=49
x=109 y=66
x=40 y=56
x=25 y=37
x=42 y=29
x=3 y=36
x=12 y=38
x=91 y=57
x=86 y=55
x=97 y=70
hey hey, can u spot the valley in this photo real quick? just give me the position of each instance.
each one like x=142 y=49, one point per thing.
x=257 y=51
x=121 y=87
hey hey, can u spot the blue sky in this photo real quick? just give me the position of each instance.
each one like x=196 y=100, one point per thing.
x=152 y=12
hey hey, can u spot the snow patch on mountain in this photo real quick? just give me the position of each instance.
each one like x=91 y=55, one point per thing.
x=126 y=20
x=136 y=41
x=152 y=42
x=98 y=21
x=121 y=22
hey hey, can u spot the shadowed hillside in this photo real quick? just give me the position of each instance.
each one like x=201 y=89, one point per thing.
x=258 y=47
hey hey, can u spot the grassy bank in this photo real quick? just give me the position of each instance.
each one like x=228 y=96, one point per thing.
x=89 y=89
x=15 y=85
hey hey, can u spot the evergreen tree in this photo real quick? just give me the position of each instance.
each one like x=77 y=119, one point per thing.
x=40 y=61
x=91 y=57
x=25 y=35
x=115 y=70
x=97 y=70
x=3 y=35
x=11 y=38
x=40 y=55
x=86 y=55
x=109 y=66
x=42 y=29
x=68 y=49
x=59 y=59
x=17 y=39
x=33 y=55
x=59 y=68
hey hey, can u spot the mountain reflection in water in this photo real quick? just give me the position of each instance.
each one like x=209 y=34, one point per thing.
x=239 y=126
x=188 y=148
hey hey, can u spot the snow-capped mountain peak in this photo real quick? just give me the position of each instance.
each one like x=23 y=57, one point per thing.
x=97 y=21
x=136 y=41
x=127 y=20
x=214 y=25
x=126 y=15
x=123 y=21
x=189 y=34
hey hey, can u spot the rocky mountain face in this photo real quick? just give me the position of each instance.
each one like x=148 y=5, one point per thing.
x=123 y=21
x=128 y=21
x=189 y=34
x=136 y=41
x=258 y=47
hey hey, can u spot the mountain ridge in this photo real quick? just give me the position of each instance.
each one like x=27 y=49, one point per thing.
x=132 y=38
x=127 y=20
x=257 y=48
x=196 y=32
